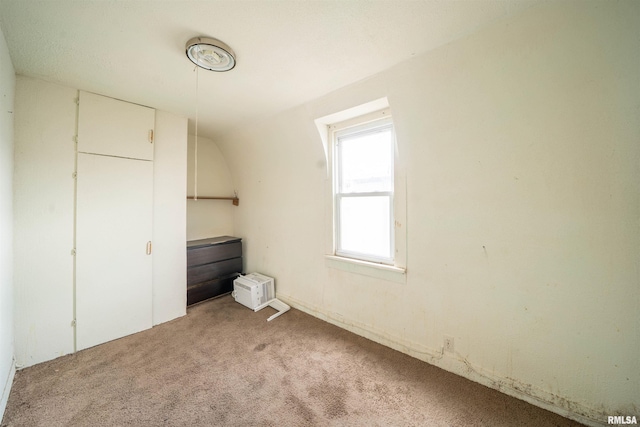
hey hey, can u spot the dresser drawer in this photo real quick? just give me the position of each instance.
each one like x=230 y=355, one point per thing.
x=209 y=254
x=210 y=289
x=205 y=272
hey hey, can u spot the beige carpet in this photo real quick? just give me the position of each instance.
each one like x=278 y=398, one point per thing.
x=223 y=365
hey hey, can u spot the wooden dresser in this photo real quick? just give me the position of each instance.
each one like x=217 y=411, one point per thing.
x=212 y=265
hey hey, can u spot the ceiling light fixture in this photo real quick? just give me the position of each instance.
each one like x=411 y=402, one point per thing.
x=210 y=54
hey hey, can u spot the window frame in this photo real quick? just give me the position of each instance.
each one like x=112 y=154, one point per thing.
x=380 y=122
x=328 y=119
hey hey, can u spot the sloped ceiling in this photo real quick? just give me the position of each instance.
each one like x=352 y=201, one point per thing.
x=288 y=51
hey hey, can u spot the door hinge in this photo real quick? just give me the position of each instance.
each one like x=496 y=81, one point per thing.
x=73 y=323
x=73 y=251
x=76 y=100
x=151 y=136
x=74 y=175
x=75 y=139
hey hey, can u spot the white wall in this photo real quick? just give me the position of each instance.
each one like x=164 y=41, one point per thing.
x=521 y=145
x=169 y=218
x=7 y=94
x=209 y=218
x=44 y=219
x=45 y=124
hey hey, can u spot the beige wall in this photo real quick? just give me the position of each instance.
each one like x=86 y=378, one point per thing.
x=45 y=124
x=208 y=218
x=521 y=145
x=7 y=94
x=169 y=218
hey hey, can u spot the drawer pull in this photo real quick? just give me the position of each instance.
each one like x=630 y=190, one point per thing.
x=149 y=248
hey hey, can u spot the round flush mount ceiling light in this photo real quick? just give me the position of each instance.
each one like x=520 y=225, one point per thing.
x=210 y=54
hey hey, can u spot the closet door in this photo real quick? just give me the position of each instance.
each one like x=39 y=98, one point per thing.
x=113 y=264
x=115 y=128
x=113 y=219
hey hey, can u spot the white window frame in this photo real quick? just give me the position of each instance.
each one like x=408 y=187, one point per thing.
x=347 y=130
x=328 y=122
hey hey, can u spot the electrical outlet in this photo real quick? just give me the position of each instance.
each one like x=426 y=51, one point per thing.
x=448 y=344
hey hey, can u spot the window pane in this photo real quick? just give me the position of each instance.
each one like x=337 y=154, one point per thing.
x=366 y=162
x=364 y=225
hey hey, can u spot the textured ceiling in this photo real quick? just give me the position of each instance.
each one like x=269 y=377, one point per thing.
x=288 y=51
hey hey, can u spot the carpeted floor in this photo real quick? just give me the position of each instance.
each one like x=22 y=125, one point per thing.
x=223 y=365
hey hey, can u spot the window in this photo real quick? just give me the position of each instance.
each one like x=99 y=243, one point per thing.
x=366 y=192
x=363 y=189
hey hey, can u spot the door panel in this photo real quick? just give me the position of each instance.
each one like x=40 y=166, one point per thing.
x=114 y=128
x=113 y=226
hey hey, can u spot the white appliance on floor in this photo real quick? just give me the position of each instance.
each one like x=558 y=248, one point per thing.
x=257 y=291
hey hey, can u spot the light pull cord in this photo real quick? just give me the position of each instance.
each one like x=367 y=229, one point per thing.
x=195 y=178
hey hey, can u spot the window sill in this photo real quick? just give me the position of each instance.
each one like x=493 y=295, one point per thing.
x=371 y=269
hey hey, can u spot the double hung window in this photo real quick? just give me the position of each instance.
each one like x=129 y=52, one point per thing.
x=364 y=191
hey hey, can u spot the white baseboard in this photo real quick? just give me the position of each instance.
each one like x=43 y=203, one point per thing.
x=458 y=365
x=6 y=388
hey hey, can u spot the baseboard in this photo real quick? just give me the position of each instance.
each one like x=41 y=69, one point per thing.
x=458 y=365
x=6 y=388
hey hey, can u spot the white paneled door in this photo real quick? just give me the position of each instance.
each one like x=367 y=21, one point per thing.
x=114 y=210
x=113 y=245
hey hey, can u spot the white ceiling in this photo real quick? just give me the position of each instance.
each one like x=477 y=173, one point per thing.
x=288 y=51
